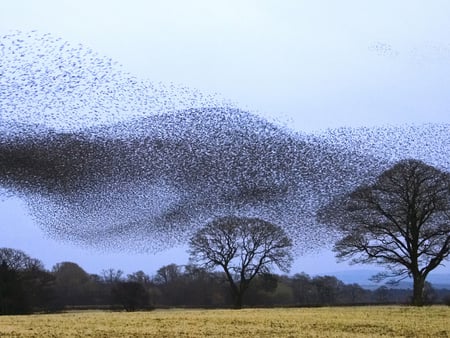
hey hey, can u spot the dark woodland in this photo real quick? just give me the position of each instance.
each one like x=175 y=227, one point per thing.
x=26 y=287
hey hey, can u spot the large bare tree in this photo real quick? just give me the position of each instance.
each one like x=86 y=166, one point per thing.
x=402 y=221
x=243 y=248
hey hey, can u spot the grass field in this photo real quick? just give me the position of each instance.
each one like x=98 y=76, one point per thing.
x=392 y=321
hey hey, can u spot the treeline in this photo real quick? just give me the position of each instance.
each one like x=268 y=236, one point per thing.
x=25 y=287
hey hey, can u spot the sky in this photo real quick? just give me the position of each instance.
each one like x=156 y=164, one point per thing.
x=311 y=65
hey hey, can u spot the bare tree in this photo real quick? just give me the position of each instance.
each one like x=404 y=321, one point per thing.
x=18 y=260
x=402 y=221
x=24 y=283
x=112 y=275
x=243 y=248
x=167 y=274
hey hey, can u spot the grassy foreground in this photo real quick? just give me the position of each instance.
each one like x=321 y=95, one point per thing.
x=393 y=321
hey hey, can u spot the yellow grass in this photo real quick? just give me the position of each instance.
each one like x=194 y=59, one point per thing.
x=392 y=321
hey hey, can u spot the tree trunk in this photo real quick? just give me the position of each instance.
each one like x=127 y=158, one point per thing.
x=236 y=293
x=419 y=283
x=238 y=300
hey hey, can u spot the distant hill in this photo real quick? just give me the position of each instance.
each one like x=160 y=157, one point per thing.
x=362 y=277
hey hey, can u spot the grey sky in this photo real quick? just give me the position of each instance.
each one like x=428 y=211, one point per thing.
x=309 y=64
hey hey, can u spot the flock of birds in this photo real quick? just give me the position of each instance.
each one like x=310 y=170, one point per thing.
x=107 y=160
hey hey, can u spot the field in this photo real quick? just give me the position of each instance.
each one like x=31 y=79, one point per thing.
x=392 y=321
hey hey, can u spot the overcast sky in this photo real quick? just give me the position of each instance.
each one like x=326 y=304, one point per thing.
x=312 y=65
